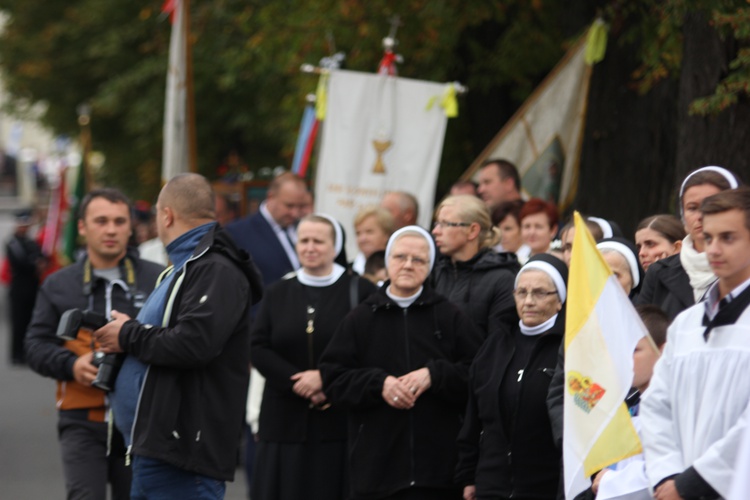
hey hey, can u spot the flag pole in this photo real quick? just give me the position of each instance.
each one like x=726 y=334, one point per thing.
x=190 y=97
x=84 y=121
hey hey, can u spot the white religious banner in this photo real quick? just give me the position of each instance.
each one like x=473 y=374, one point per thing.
x=543 y=138
x=381 y=133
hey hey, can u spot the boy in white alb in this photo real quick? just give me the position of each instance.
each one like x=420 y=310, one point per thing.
x=627 y=480
x=695 y=411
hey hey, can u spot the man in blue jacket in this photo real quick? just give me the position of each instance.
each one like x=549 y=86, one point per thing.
x=180 y=397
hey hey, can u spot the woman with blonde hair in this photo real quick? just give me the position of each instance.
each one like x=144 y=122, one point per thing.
x=373 y=226
x=469 y=272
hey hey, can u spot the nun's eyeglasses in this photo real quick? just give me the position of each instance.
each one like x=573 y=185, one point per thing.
x=402 y=259
x=536 y=294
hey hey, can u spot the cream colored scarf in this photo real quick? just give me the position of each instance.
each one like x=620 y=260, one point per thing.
x=697 y=268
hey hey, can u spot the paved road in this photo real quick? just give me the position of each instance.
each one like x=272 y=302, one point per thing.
x=30 y=466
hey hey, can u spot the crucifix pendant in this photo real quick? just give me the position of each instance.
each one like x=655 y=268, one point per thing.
x=310 y=327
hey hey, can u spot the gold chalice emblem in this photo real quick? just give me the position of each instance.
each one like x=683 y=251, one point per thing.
x=380 y=148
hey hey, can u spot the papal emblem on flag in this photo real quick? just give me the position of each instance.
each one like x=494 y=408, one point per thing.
x=586 y=394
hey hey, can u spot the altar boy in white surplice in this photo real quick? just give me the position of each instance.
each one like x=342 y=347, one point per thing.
x=696 y=408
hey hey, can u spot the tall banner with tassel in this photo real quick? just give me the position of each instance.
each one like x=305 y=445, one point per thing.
x=544 y=137
x=380 y=133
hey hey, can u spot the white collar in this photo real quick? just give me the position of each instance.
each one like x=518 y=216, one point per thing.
x=538 y=329
x=269 y=218
x=285 y=236
x=320 y=281
x=403 y=302
x=712 y=297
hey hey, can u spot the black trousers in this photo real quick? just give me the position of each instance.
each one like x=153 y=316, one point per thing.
x=21 y=307
x=86 y=466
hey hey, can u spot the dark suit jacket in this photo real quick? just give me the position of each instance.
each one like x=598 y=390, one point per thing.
x=254 y=235
x=667 y=285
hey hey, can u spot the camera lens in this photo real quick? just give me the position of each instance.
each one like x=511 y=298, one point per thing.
x=98 y=358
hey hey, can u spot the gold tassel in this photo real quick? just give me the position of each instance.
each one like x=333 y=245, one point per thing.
x=596 y=42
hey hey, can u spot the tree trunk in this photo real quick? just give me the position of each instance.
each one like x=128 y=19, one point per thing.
x=637 y=149
x=723 y=139
x=627 y=162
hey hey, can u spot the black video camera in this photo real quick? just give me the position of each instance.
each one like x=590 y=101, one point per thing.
x=109 y=365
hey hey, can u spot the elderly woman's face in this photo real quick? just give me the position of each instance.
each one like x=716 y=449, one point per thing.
x=536 y=298
x=315 y=247
x=620 y=268
x=408 y=265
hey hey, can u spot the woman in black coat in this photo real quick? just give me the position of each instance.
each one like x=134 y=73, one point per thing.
x=399 y=363
x=469 y=272
x=302 y=439
x=677 y=282
x=506 y=449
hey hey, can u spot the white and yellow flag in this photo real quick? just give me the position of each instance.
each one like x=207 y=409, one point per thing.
x=601 y=331
x=380 y=133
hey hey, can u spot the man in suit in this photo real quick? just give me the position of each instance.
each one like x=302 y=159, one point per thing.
x=270 y=234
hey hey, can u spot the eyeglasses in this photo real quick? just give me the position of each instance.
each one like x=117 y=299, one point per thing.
x=536 y=294
x=443 y=224
x=402 y=259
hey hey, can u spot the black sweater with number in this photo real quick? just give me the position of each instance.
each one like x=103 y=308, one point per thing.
x=506 y=447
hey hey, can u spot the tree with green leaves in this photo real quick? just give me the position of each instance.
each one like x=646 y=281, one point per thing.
x=670 y=94
x=249 y=92
x=665 y=101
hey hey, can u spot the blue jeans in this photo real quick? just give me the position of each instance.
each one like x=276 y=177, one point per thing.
x=157 y=480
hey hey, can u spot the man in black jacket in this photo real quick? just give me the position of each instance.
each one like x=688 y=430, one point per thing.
x=190 y=348
x=110 y=276
x=25 y=260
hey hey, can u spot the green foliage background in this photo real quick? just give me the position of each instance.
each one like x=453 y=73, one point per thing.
x=248 y=87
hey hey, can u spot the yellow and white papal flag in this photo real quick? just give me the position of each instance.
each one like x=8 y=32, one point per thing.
x=601 y=331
